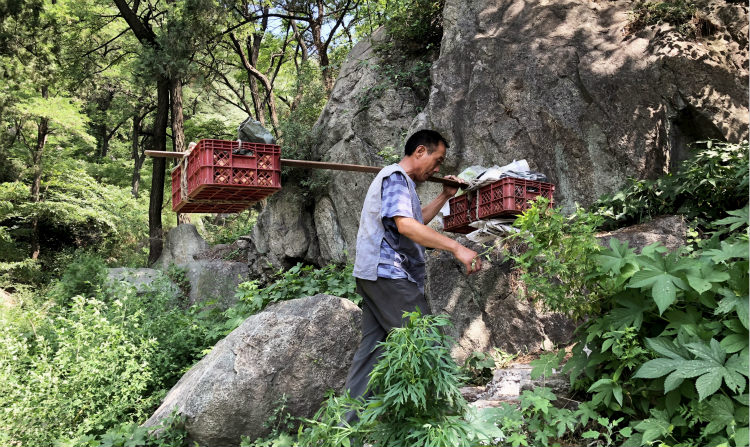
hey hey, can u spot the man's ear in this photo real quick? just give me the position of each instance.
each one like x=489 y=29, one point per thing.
x=420 y=151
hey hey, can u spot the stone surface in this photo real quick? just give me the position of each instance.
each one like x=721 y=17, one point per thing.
x=509 y=383
x=562 y=85
x=142 y=278
x=6 y=299
x=299 y=348
x=284 y=233
x=346 y=132
x=215 y=280
x=181 y=245
x=669 y=231
x=485 y=310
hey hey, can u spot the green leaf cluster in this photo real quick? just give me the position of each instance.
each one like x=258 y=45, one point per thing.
x=78 y=367
x=556 y=255
x=415 y=397
x=672 y=342
x=713 y=180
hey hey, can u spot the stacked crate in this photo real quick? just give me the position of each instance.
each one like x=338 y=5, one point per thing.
x=219 y=180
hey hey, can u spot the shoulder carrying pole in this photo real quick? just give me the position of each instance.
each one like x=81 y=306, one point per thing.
x=318 y=165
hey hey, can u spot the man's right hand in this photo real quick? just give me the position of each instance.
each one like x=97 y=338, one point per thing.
x=469 y=258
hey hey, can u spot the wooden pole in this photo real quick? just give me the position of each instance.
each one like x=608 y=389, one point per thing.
x=305 y=164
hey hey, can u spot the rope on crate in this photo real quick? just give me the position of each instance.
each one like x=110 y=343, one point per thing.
x=183 y=175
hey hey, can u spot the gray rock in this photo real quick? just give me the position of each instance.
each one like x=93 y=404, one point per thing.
x=485 y=310
x=215 y=280
x=252 y=131
x=284 y=233
x=559 y=84
x=142 y=279
x=509 y=383
x=669 y=231
x=562 y=86
x=6 y=299
x=180 y=246
x=299 y=348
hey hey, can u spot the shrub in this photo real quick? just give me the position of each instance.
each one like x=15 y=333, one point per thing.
x=416 y=398
x=556 y=258
x=712 y=181
x=87 y=366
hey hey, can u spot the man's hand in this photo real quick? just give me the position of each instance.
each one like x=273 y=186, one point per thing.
x=469 y=258
x=450 y=191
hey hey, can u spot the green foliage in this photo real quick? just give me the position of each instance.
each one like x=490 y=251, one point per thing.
x=679 y=13
x=77 y=212
x=557 y=258
x=169 y=433
x=672 y=342
x=415 y=401
x=712 y=181
x=478 y=367
x=297 y=282
x=83 y=369
x=415 y=24
x=83 y=276
x=227 y=229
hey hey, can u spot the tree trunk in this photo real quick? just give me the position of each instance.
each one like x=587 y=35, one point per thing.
x=156 y=199
x=254 y=72
x=138 y=156
x=178 y=130
x=36 y=182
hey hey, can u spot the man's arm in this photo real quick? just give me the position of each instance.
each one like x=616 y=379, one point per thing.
x=431 y=209
x=427 y=237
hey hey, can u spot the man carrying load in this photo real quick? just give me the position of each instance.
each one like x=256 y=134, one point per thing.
x=390 y=260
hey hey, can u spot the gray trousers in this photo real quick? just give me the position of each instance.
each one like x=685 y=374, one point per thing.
x=383 y=303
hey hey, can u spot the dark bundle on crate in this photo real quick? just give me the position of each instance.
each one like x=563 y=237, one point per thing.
x=505 y=197
x=215 y=178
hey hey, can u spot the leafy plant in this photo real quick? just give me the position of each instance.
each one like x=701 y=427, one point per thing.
x=478 y=367
x=557 y=258
x=672 y=342
x=415 y=397
x=707 y=185
x=679 y=13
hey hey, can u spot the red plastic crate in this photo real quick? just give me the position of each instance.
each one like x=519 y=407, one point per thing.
x=463 y=211
x=511 y=195
x=219 y=181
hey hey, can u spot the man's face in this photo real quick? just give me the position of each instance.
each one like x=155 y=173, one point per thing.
x=429 y=163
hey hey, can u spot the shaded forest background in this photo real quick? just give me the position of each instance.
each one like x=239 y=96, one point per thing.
x=88 y=86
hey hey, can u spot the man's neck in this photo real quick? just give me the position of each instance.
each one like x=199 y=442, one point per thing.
x=406 y=164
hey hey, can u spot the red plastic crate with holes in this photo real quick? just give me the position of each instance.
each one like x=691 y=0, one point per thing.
x=463 y=211
x=219 y=181
x=510 y=196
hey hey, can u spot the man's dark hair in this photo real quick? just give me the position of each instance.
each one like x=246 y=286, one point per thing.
x=428 y=138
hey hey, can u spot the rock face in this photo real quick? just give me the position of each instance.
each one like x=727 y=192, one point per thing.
x=562 y=85
x=299 y=348
x=670 y=231
x=485 y=310
x=211 y=273
x=215 y=280
x=180 y=246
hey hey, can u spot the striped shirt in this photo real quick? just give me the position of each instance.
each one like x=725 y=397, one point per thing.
x=396 y=201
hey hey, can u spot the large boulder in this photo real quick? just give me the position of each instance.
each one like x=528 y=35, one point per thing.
x=561 y=84
x=181 y=246
x=347 y=131
x=215 y=280
x=669 y=231
x=298 y=349
x=565 y=86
